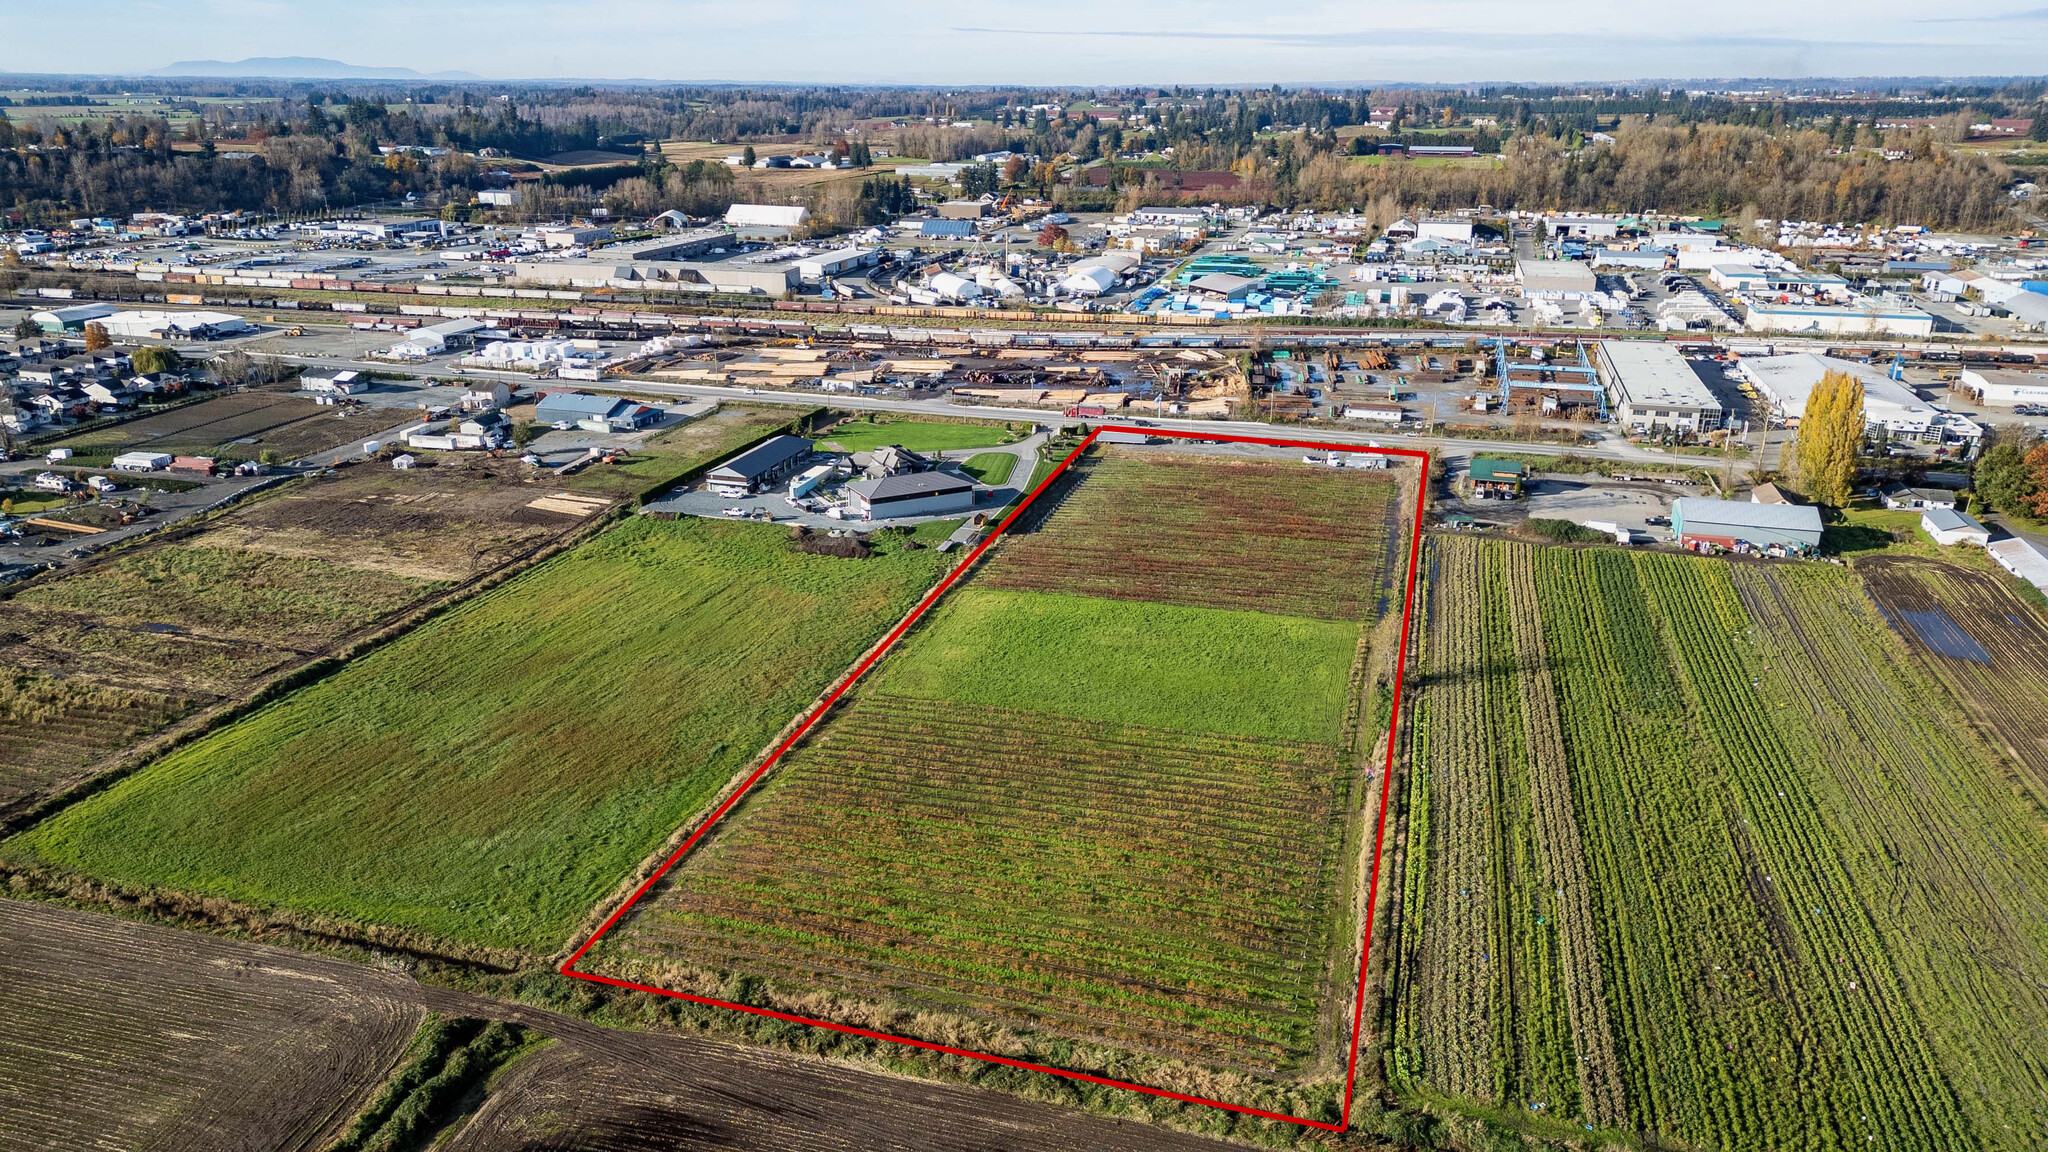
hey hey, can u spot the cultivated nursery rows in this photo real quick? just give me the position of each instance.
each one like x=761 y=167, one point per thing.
x=1695 y=849
x=1215 y=532
x=1162 y=891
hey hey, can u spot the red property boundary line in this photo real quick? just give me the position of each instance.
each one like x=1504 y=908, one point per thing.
x=889 y=642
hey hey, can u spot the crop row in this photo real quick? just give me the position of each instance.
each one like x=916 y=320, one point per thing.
x=1240 y=534
x=1161 y=890
x=1683 y=857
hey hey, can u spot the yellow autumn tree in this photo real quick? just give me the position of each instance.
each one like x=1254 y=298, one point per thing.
x=1830 y=432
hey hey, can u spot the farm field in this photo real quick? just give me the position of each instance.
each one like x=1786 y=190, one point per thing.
x=237 y=426
x=136 y=1035
x=95 y=660
x=773 y=180
x=481 y=782
x=1099 y=826
x=1989 y=647
x=1695 y=849
x=122 y=1035
x=925 y=436
x=1194 y=530
x=670 y=454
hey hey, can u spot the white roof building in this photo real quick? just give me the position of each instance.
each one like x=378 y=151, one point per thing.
x=2003 y=388
x=2022 y=559
x=767 y=215
x=1785 y=383
x=1654 y=387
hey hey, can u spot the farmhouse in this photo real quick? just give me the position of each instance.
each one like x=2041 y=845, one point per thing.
x=593 y=413
x=758 y=467
x=1743 y=525
x=912 y=494
x=1899 y=497
x=1653 y=386
x=1491 y=477
x=1949 y=527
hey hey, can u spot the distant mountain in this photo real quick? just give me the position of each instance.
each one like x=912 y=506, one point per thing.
x=301 y=68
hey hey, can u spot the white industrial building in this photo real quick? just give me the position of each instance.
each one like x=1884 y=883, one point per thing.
x=1556 y=279
x=1455 y=231
x=1864 y=319
x=911 y=494
x=1785 y=383
x=839 y=261
x=767 y=215
x=1652 y=386
x=1583 y=227
x=172 y=325
x=2003 y=388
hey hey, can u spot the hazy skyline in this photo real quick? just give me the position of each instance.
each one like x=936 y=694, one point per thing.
x=1053 y=43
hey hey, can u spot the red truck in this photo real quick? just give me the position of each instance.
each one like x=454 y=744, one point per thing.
x=1080 y=410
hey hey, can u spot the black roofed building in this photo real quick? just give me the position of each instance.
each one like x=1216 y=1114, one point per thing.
x=758 y=467
x=910 y=494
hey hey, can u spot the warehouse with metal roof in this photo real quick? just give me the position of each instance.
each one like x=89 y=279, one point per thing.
x=1653 y=386
x=1742 y=526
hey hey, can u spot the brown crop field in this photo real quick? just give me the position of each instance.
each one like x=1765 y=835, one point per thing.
x=124 y=1036
x=1222 y=533
x=133 y=1035
x=97 y=659
x=1980 y=639
x=239 y=425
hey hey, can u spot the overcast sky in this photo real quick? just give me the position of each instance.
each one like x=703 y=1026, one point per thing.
x=1051 y=42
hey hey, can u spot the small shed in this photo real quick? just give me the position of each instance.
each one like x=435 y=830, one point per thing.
x=404 y=462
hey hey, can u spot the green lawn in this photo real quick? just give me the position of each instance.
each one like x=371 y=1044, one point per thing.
x=990 y=467
x=916 y=435
x=23 y=501
x=1161 y=666
x=490 y=776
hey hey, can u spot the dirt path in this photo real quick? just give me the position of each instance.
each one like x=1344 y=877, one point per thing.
x=595 y=1088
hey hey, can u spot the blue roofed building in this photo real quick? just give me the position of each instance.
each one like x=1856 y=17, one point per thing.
x=594 y=413
x=947 y=229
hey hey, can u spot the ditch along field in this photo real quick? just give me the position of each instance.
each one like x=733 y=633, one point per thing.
x=475 y=786
x=1076 y=828
x=1984 y=643
x=127 y=1034
x=1695 y=850
x=94 y=660
x=238 y=426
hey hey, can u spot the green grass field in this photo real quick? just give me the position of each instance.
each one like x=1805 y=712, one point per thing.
x=1157 y=665
x=490 y=776
x=916 y=435
x=990 y=468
